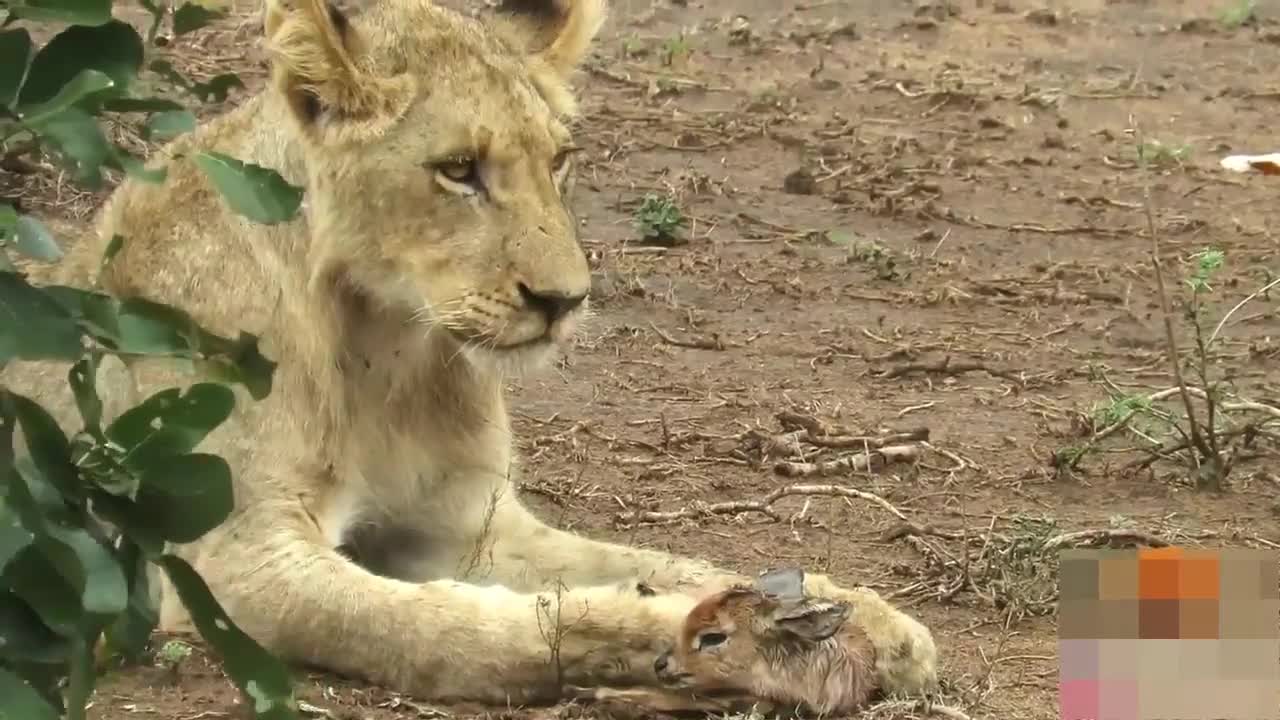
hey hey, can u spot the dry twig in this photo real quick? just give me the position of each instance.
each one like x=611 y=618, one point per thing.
x=1196 y=437
x=764 y=505
x=946 y=367
x=869 y=461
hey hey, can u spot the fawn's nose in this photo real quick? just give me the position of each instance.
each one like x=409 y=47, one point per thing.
x=552 y=305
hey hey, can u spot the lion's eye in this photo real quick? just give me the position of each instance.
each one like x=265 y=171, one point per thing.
x=463 y=171
x=711 y=639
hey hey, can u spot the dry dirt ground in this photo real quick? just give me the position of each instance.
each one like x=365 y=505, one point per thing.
x=901 y=218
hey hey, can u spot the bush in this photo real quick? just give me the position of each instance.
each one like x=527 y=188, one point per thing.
x=84 y=512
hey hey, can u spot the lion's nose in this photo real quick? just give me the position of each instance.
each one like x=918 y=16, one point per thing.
x=660 y=665
x=553 y=305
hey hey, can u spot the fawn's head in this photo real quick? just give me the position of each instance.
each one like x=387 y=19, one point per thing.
x=728 y=637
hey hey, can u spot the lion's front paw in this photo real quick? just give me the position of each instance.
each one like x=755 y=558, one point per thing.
x=906 y=655
x=695 y=581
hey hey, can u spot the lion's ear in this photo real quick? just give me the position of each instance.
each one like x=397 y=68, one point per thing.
x=559 y=32
x=314 y=51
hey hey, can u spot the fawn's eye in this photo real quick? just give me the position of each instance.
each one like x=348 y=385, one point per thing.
x=711 y=639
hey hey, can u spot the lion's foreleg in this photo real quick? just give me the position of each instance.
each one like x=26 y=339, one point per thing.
x=441 y=640
x=526 y=553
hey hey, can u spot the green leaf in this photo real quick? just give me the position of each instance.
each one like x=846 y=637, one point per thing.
x=81 y=560
x=169 y=124
x=216 y=88
x=152 y=328
x=81 y=145
x=31 y=577
x=35 y=499
x=46 y=680
x=32 y=325
x=170 y=423
x=83 y=378
x=135 y=167
x=121 y=511
x=113 y=247
x=242 y=363
x=132 y=326
x=100 y=466
x=78 y=12
x=191 y=17
x=20 y=702
x=13 y=540
x=253 y=191
x=261 y=677
x=131 y=631
x=84 y=84
x=15 y=56
x=26 y=638
x=113 y=49
x=8 y=426
x=8 y=221
x=89 y=567
x=138 y=326
x=96 y=313
x=34 y=240
x=46 y=444
x=187 y=497
x=178 y=501
x=83 y=678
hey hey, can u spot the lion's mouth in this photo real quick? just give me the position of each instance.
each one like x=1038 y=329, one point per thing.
x=488 y=343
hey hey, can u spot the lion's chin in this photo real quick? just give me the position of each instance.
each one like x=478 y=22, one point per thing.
x=516 y=360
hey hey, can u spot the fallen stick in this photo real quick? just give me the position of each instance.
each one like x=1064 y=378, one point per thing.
x=1108 y=536
x=870 y=461
x=764 y=505
x=946 y=367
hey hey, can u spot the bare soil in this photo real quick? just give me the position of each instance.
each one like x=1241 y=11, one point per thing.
x=901 y=216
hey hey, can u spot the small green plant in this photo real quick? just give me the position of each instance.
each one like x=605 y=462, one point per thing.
x=633 y=46
x=658 y=219
x=882 y=260
x=1154 y=153
x=1119 y=409
x=1208 y=262
x=171 y=656
x=173 y=652
x=1238 y=13
x=1022 y=571
x=674 y=49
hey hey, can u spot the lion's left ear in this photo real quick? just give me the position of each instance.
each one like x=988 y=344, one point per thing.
x=314 y=53
x=558 y=32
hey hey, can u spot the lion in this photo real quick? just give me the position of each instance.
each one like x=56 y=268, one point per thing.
x=376 y=531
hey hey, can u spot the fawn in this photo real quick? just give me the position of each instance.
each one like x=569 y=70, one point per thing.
x=767 y=643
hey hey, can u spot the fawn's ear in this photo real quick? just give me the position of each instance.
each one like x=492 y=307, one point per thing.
x=812 y=620
x=314 y=53
x=783 y=584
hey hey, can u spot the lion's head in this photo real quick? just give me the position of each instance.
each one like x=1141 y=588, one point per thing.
x=439 y=161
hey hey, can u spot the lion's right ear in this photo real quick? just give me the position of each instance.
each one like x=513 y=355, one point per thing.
x=558 y=32
x=314 y=51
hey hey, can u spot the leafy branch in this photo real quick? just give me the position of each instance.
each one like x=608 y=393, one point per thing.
x=85 y=512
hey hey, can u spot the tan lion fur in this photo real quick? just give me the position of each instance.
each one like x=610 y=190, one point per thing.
x=394 y=308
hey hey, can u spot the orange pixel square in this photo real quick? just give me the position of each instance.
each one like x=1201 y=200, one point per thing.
x=1158 y=574
x=1198 y=576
